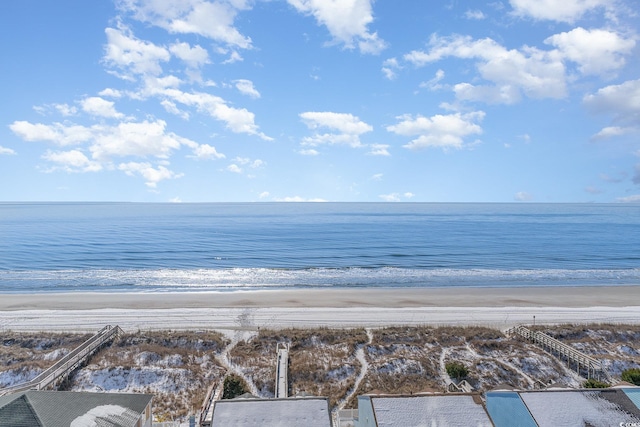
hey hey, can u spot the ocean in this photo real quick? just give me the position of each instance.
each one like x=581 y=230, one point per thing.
x=141 y=247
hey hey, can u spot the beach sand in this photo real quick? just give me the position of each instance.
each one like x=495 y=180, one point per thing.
x=249 y=310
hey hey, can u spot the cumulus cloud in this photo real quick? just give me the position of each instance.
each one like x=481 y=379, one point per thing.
x=346 y=20
x=622 y=102
x=297 y=199
x=309 y=152
x=151 y=175
x=377 y=177
x=66 y=110
x=211 y=19
x=234 y=168
x=434 y=83
x=239 y=120
x=104 y=143
x=511 y=72
x=132 y=56
x=595 y=51
x=630 y=199
x=57 y=133
x=6 y=151
x=390 y=68
x=71 y=161
x=246 y=88
x=522 y=196
x=439 y=131
x=194 y=57
x=475 y=15
x=97 y=106
x=206 y=151
x=562 y=11
x=379 y=150
x=347 y=128
x=396 y=197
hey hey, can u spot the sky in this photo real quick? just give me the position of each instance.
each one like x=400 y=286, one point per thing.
x=320 y=100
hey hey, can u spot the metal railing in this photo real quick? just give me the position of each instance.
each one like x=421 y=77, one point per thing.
x=68 y=363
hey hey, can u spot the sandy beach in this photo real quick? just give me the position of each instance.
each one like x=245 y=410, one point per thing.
x=496 y=307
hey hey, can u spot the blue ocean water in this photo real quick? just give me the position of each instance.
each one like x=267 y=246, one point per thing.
x=53 y=247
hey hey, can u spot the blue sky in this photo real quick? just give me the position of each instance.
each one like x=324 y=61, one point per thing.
x=320 y=100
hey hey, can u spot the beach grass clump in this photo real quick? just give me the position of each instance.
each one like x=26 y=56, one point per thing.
x=177 y=367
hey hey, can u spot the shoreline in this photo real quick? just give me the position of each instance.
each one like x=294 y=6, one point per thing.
x=565 y=296
x=246 y=311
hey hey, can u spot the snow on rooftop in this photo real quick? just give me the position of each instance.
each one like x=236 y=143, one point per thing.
x=434 y=410
x=106 y=415
x=308 y=412
x=592 y=408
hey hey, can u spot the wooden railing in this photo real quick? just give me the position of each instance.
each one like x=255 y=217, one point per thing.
x=583 y=362
x=65 y=366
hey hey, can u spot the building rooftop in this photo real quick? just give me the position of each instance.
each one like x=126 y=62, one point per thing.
x=429 y=410
x=306 y=411
x=37 y=408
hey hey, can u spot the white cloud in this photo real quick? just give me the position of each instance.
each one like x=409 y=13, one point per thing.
x=554 y=10
x=390 y=68
x=379 y=150
x=206 y=151
x=348 y=127
x=194 y=57
x=522 y=196
x=297 y=199
x=475 y=15
x=172 y=108
x=57 y=132
x=151 y=175
x=434 y=83
x=396 y=197
x=110 y=93
x=97 y=106
x=239 y=120
x=439 y=131
x=233 y=57
x=246 y=88
x=377 y=177
x=72 y=161
x=630 y=199
x=136 y=139
x=623 y=102
x=263 y=195
x=613 y=131
x=133 y=56
x=66 y=110
x=595 y=51
x=211 y=19
x=175 y=200
x=529 y=71
x=346 y=20
x=6 y=151
x=309 y=152
x=234 y=168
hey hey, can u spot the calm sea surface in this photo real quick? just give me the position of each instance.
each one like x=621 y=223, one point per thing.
x=48 y=247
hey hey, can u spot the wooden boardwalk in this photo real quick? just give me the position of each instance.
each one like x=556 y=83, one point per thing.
x=282 y=372
x=574 y=358
x=69 y=363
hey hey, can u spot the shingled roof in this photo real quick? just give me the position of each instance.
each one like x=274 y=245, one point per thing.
x=36 y=408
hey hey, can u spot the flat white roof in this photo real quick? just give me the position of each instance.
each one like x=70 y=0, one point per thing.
x=308 y=412
x=598 y=408
x=429 y=410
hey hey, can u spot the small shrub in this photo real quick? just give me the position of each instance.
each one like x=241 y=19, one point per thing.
x=593 y=383
x=234 y=386
x=456 y=370
x=632 y=376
